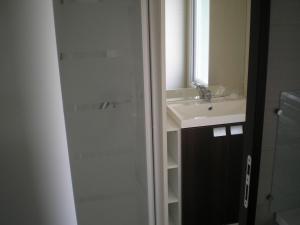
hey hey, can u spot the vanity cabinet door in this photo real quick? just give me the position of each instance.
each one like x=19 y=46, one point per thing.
x=233 y=173
x=211 y=172
x=203 y=176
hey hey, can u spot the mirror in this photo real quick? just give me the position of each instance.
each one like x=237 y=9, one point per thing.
x=207 y=41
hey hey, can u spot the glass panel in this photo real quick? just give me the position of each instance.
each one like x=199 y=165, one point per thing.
x=100 y=47
x=286 y=179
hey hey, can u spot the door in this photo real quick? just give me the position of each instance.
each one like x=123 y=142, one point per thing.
x=257 y=73
x=233 y=161
x=203 y=175
x=211 y=174
x=105 y=94
x=286 y=182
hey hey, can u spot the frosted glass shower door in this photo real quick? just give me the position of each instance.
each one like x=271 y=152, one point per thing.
x=286 y=178
x=104 y=95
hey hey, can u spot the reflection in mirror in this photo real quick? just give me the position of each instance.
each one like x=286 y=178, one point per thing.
x=207 y=43
x=200 y=42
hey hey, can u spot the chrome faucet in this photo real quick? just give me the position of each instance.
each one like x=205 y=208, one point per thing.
x=204 y=92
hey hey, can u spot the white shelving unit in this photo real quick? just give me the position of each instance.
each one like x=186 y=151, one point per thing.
x=172 y=163
x=174 y=172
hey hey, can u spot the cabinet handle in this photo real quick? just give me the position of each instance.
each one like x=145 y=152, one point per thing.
x=219 y=132
x=247 y=182
x=236 y=130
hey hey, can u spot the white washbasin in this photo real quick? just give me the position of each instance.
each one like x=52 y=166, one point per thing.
x=195 y=114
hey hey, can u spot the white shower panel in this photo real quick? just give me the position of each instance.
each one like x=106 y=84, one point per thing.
x=102 y=73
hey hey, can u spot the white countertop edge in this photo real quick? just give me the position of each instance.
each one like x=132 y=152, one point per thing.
x=240 y=118
x=235 y=118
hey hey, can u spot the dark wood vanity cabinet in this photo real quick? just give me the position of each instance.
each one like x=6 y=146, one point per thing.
x=211 y=174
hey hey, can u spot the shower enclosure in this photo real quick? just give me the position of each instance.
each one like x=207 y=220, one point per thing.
x=102 y=47
x=286 y=177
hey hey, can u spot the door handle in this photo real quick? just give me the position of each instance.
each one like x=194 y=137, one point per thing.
x=247 y=182
x=236 y=130
x=219 y=132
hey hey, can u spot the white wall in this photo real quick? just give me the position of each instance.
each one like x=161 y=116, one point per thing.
x=176 y=34
x=37 y=186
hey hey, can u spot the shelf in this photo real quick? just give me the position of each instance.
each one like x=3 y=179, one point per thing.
x=172 y=197
x=84 y=55
x=173 y=149
x=171 y=163
x=173 y=172
x=81 y=1
x=171 y=124
x=103 y=3
x=173 y=211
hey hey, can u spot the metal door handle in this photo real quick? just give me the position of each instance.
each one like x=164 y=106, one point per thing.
x=236 y=130
x=219 y=131
x=247 y=182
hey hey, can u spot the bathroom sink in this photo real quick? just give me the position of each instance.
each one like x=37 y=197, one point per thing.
x=195 y=113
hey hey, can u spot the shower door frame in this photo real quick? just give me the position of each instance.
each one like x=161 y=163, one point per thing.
x=156 y=14
x=257 y=76
x=148 y=104
x=148 y=98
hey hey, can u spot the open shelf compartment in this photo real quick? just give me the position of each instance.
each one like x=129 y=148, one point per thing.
x=173 y=214
x=173 y=185
x=173 y=171
x=173 y=149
